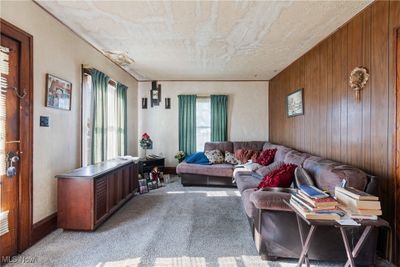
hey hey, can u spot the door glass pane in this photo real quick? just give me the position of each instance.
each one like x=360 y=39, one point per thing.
x=4 y=70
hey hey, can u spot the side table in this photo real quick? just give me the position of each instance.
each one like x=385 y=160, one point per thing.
x=146 y=165
x=369 y=225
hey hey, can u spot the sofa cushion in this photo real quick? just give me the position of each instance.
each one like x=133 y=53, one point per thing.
x=301 y=177
x=249 y=208
x=327 y=174
x=244 y=155
x=266 y=156
x=222 y=146
x=230 y=158
x=265 y=170
x=281 y=153
x=240 y=171
x=296 y=157
x=198 y=158
x=250 y=145
x=281 y=177
x=221 y=170
x=215 y=156
x=246 y=181
x=270 y=200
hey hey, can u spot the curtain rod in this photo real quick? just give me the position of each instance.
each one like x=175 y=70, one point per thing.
x=87 y=68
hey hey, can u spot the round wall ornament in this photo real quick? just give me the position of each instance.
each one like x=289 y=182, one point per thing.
x=358 y=79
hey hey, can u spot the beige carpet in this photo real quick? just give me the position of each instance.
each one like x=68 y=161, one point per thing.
x=172 y=226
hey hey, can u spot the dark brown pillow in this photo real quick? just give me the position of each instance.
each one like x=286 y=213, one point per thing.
x=244 y=155
x=265 y=170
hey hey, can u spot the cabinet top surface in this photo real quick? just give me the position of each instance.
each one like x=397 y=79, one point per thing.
x=98 y=169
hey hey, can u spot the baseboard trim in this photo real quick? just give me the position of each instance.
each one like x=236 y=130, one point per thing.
x=170 y=170
x=43 y=227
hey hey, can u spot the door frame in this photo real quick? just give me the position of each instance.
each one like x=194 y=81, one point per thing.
x=26 y=133
x=397 y=148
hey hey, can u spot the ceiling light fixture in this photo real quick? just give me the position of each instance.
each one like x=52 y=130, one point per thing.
x=121 y=58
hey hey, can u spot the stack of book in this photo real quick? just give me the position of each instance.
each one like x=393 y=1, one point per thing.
x=358 y=204
x=315 y=204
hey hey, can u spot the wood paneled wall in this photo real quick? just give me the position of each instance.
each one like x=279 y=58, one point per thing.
x=334 y=124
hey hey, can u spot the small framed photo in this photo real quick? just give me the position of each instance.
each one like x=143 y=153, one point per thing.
x=144 y=103
x=295 y=103
x=58 y=93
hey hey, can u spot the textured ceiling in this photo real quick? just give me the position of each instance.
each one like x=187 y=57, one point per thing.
x=204 y=40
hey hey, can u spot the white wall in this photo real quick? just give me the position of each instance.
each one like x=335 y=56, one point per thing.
x=247 y=113
x=58 y=51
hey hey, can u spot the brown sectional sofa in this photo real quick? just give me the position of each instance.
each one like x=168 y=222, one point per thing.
x=274 y=225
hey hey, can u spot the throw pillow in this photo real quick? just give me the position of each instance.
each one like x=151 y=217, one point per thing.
x=215 y=156
x=244 y=155
x=230 y=158
x=301 y=177
x=197 y=158
x=252 y=166
x=281 y=177
x=266 y=157
x=265 y=170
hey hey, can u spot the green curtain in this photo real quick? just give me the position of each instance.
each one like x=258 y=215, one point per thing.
x=99 y=108
x=122 y=114
x=187 y=123
x=219 y=118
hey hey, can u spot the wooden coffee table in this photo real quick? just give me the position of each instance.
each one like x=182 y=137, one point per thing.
x=368 y=224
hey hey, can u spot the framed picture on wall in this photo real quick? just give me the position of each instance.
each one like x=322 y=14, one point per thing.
x=58 y=93
x=295 y=103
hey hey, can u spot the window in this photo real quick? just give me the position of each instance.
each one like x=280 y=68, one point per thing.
x=112 y=125
x=203 y=122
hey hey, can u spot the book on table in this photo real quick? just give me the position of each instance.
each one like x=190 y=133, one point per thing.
x=314 y=215
x=355 y=203
x=311 y=206
x=313 y=192
x=355 y=193
x=319 y=202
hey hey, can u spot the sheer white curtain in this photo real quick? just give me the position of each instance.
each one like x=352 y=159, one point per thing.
x=112 y=120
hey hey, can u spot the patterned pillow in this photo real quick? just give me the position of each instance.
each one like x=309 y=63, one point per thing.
x=244 y=155
x=266 y=157
x=215 y=156
x=230 y=158
x=281 y=177
x=265 y=170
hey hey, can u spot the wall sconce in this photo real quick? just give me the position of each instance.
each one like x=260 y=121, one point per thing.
x=358 y=79
x=167 y=103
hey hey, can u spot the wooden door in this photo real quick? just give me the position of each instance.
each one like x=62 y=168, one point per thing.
x=16 y=114
x=9 y=145
x=397 y=190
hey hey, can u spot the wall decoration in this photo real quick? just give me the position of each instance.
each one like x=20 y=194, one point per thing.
x=358 y=79
x=144 y=103
x=58 y=93
x=155 y=94
x=295 y=103
x=167 y=103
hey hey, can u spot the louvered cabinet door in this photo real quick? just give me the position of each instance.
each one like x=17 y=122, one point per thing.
x=100 y=198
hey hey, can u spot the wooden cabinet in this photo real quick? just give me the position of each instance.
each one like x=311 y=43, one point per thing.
x=89 y=195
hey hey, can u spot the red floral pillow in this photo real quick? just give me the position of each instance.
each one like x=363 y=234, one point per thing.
x=281 y=177
x=266 y=157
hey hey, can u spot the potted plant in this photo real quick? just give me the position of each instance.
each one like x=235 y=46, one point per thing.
x=180 y=156
x=146 y=143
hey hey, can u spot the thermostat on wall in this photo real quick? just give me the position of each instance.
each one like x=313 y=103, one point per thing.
x=44 y=121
